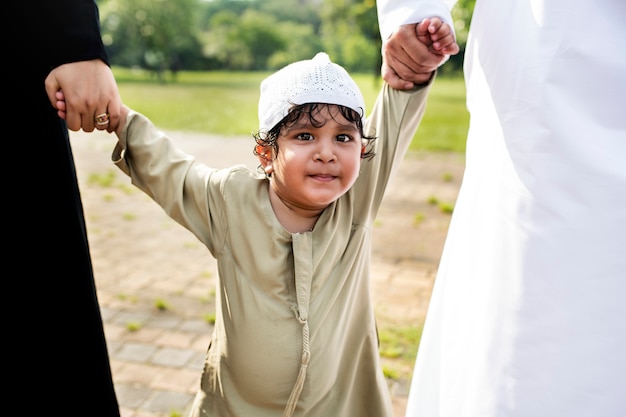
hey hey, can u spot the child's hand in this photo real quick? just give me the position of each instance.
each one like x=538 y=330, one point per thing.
x=60 y=104
x=438 y=36
x=423 y=34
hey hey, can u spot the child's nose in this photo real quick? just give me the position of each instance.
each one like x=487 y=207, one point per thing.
x=325 y=152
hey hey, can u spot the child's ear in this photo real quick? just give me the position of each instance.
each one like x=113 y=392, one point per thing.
x=265 y=157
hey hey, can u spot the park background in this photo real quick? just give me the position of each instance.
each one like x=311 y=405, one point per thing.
x=208 y=57
x=194 y=67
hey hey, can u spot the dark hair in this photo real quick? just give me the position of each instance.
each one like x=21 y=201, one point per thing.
x=311 y=111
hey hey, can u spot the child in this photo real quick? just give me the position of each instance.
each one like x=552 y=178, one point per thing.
x=295 y=331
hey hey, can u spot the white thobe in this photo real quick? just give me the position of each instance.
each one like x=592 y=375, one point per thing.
x=528 y=312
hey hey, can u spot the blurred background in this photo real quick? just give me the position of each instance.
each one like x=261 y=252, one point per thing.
x=196 y=65
x=250 y=35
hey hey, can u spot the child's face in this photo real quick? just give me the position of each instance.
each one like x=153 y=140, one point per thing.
x=316 y=165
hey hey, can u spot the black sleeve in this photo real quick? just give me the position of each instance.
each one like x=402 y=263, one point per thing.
x=72 y=31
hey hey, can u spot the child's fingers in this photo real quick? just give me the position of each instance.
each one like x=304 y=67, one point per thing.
x=440 y=32
x=422 y=27
x=446 y=40
x=447 y=45
x=61 y=106
x=451 y=49
x=435 y=24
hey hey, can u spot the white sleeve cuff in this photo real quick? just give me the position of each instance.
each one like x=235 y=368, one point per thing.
x=394 y=13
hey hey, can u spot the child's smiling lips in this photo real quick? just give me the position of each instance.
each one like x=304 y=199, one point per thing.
x=323 y=177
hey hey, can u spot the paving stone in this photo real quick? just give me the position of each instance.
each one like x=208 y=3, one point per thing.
x=177 y=380
x=166 y=322
x=197 y=361
x=172 y=357
x=167 y=402
x=132 y=395
x=137 y=352
x=197 y=326
x=125 y=317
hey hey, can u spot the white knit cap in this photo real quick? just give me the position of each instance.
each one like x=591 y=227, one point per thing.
x=316 y=80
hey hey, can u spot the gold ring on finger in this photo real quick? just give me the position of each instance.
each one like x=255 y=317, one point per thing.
x=102 y=119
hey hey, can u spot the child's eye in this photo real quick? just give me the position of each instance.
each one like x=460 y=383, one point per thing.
x=304 y=136
x=344 y=138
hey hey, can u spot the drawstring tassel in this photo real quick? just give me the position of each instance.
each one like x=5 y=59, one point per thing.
x=297 y=388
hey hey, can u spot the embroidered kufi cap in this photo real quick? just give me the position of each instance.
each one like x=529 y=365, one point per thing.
x=316 y=80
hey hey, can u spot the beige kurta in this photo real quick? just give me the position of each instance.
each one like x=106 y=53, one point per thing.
x=284 y=299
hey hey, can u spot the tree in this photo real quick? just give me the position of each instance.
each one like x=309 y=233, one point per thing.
x=462 y=16
x=350 y=34
x=153 y=34
x=251 y=35
x=243 y=42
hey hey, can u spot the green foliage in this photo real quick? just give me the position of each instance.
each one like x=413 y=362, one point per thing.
x=225 y=103
x=462 y=16
x=349 y=33
x=302 y=44
x=244 y=42
x=172 y=35
x=359 y=54
x=154 y=34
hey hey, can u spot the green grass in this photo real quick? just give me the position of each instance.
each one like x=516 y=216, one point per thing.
x=445 y=123
x=225 y=103
x=398 y=350
x=161 y=304
x=396 y=342
x=210 y=318
x=133 y=326
x=102 y=179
